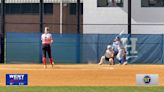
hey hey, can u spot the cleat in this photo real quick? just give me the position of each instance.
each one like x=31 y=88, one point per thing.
x=99 y=63
x=125 y=63
x=52 y=65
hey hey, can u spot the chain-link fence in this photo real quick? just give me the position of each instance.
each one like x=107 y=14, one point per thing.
x=81 y=31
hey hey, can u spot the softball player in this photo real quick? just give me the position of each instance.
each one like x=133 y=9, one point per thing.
x=117 y=45
x=119 y=51
x=109 y=54
x=46 y=46
x=121 y=56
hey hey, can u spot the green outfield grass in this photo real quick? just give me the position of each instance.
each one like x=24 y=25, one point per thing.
x=80 y=89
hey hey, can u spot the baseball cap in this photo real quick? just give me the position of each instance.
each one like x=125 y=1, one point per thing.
x=109 y=46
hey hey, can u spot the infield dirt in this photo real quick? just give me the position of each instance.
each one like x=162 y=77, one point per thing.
x=82 y=74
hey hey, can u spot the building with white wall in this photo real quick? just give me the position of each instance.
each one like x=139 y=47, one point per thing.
x=99 y=16
x=147 y=17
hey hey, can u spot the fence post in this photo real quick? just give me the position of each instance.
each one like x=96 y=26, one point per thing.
x=78 y=30
x=129 y=28
x=41 y=12
x=2 y=34
x=162 y=49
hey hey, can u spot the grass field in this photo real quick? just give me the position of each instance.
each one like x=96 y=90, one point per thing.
x=82 y=89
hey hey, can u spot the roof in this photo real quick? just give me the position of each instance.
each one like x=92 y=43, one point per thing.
x=37 y=1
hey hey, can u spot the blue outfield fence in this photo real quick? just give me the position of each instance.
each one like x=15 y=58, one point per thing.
x=86 y=48
x=23 y=47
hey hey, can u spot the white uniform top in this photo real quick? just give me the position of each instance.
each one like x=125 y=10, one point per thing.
x=117 y=45
x=108 y=53
x=46 y=38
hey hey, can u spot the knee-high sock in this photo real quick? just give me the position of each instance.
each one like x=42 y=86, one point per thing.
x=51 y=60
x=44 y=60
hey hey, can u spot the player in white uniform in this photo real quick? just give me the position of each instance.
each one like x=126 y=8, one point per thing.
x=109 y=54
x=119 y=51
x=121 y=56
x=46 y=46
x=117 y=45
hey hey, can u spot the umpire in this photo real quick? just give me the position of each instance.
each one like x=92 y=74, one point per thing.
x=46 y=46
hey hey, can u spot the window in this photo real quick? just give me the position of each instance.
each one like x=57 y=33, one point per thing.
x=12 y=8
x=48 y=8
x=72 y=8
x=152 y=3
x=35 y=8
x=109 y=3
x=27 y=8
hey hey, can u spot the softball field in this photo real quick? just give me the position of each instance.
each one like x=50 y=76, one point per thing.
x=81 y=74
